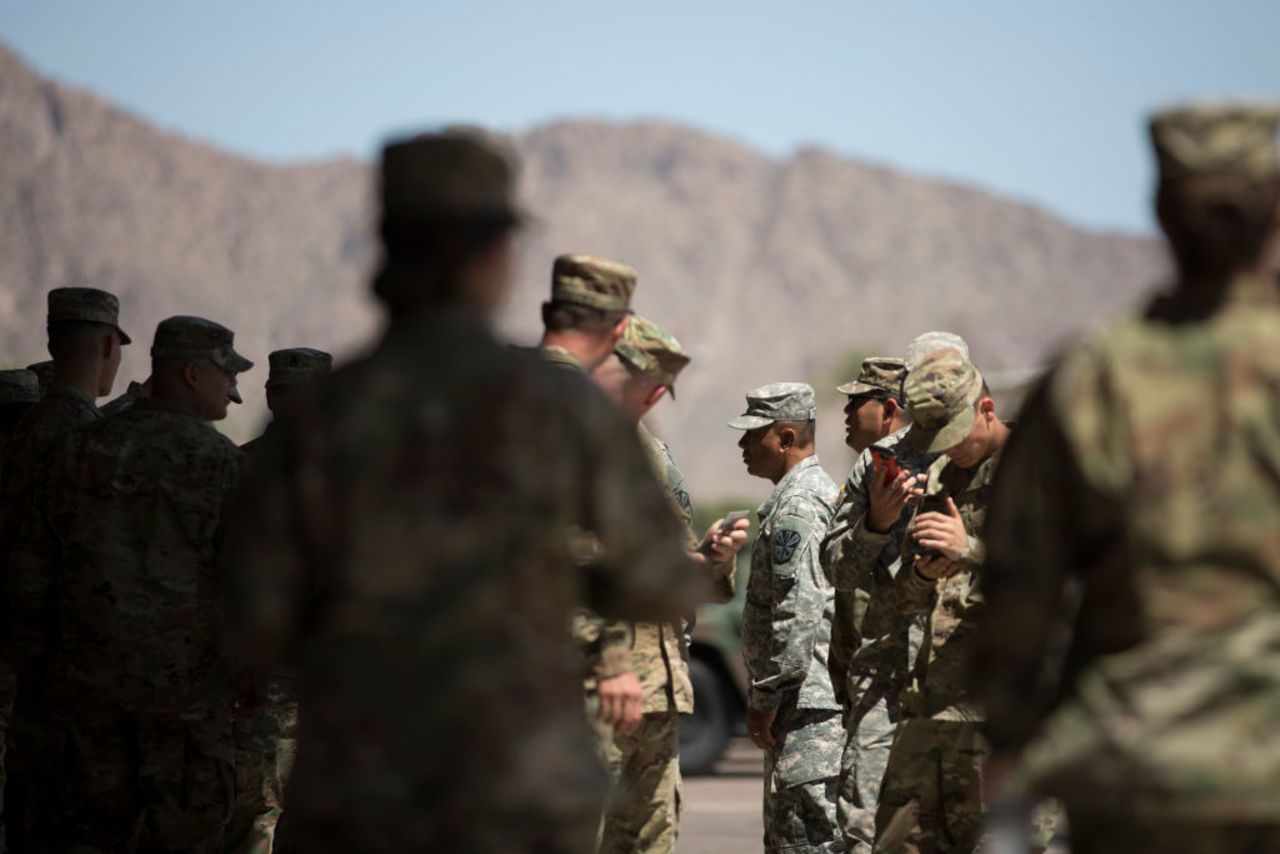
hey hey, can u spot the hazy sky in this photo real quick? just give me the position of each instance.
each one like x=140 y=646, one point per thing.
x=1042 y=101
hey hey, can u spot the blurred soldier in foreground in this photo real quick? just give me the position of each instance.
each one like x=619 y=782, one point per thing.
x=792 y=713
x=138 y=692
x=1134 y=562
x=85 y=340
x=644 y=806
x=589 y=310
x=932 y=798
x=266 y=737
x=403 y=542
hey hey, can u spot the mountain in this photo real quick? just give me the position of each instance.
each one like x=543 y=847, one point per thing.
x=766 y=269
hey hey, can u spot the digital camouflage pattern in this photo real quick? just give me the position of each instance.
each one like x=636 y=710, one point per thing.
x=85 y=305
x=863 y=565
x=786 y=630
x=879 y=375
x=652 y=351
x=776 y=402
x=186 y=337
x=405 y=544
x=297 y=366
x=19 y=386
x=592 y=282
x=1134 y=565
x=1215 y=140
x=138 y=693
x=44 y=373
x=135 y=392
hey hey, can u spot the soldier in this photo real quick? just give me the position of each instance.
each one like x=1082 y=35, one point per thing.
x=931 y=798
x=871 y=649
x=85 y=340
x=138 y=690
x=404 y=542
x=135 y=392
x=792 y=713
x=644 y=807
x=266 y=738
x=1133 y=569
x=44 y=374
x=582 y=323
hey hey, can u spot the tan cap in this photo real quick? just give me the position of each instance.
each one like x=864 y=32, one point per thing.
x=878 y=374
x=1217 y=139
x=297 y=366
x=592 y=282
x=652 y=351
x=931 y=342
x=86 y=305
x=185 y=337
x=940 y=395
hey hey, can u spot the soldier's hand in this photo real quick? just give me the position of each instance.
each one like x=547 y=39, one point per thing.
x=934 y=567
x=760 y=728
x=621 y=702
x=888 y=501
x=942 y=532
x=722 y=542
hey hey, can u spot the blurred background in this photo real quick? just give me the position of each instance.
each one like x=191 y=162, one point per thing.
x=799 y=185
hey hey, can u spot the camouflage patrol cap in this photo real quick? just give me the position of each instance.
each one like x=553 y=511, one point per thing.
x=878 y=374
x=593 y=282
x=1217 y=139
x=43 y=371
x=652 y=351
x=776 y=402
x=185 y=337
x=19 y=386
x=931 y=342
x=457 y=175
x=86 y=305
x=297 y=366
x=940 y=395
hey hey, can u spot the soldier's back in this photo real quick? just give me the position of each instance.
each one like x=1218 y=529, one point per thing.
x=434 y=482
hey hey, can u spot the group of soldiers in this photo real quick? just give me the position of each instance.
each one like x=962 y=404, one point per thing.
x=446 y=594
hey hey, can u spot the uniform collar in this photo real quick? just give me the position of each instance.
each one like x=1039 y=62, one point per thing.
x=783 y=485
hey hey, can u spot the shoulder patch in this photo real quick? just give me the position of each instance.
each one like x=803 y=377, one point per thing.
x=682 y=498
x=785 y=543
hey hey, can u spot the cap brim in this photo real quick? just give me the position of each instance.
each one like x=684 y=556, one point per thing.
x=124 y=337
x=944 y=438
x=856 y=388
x=233 y=395
x=232 y=361
x=750 y=422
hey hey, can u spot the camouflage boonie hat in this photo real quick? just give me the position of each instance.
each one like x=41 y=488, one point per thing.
x=88 y=305
x=931 y=342
x=43 y=371
x=776 y=402
x=878 y=374
x=297 y=366
x=593 y=282
x=19 y=386
x=940 y=395
x=453 y=176
x=1217 y=139
x=184 y=337
x=652 y=351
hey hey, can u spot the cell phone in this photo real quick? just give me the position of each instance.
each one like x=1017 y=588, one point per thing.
x=732 y=518
x=936 y=503
x=887 y=461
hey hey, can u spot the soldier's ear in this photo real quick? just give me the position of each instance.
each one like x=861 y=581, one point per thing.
x=787 y=438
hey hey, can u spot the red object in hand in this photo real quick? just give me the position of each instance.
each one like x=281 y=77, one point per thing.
x=887 y=462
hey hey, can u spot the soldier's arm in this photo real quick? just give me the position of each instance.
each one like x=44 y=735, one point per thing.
x=799 y=600
x=606 y=644
x=1043 y=523
x=850 y=550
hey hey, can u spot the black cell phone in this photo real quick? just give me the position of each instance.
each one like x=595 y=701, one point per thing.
x=736 y=516
x=931 y=504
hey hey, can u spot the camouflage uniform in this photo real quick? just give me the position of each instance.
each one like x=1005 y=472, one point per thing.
x=266 y=737
x=786 y=631
x=44 y=373
x=862 y=565
x=135 y=392
x=28 y=544
x=404 y=544
x=138 y=692
x=644 y=806
x=1133 y=567
x=932 y=797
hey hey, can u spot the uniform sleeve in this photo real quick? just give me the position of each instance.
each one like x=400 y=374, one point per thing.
x=798 y=587
x=605 y=644
x=1043 y=523
x=850 y=551
x=643 y=573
